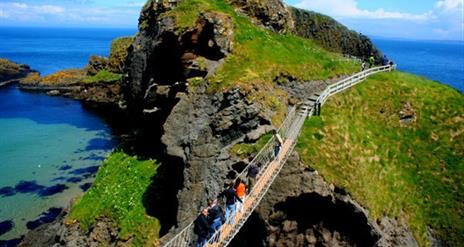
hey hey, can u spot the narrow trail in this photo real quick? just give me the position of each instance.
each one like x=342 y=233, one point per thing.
x=270 y=165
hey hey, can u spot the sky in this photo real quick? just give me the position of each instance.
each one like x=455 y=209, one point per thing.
x=407 y=19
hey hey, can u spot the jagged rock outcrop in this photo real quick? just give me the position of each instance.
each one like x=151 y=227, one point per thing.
x=270 y=13
x=164 y=56
x=12 y=72
x=199 y=130
x=332 y=35
x=301 y=209
x=324 y=30
x=62 y=234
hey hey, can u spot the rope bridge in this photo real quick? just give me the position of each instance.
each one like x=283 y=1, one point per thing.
x=270 y=165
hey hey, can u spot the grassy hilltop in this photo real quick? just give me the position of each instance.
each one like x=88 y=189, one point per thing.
x=410 y=171
x=413 y=171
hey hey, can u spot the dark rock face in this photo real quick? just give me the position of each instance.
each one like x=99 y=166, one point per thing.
x=300 y=209
x=59 y=234
x=270 y=13
x=161 y=60
x=199 y=131
x=332 y=35
x=96 y=64
x=12 y=72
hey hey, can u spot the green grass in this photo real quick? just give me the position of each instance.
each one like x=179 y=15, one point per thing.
x=118 y=193
x=103 y=76
x=118 y=53
x=259 y=55
x=414 y=172
x=244 y=150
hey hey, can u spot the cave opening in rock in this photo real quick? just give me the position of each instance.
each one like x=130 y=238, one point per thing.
x=310 y=220
x=201 y=42
x=165 y=65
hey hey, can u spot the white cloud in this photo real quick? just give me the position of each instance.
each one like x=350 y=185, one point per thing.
x=350 y=9
x=14 y=13
x=3 y=14
x=49 y=9
x=444 y=20
x=450 y=4
x=136 y=4
x=19 y=5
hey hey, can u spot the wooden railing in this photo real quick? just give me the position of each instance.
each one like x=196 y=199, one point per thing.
x=270 y=165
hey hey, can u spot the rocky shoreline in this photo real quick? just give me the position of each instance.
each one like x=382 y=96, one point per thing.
x=162 y=97
x=11 y=72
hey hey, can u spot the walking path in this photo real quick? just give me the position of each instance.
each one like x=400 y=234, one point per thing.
x=271 y=166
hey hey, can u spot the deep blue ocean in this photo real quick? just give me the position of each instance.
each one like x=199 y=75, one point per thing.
x=441 y=61
x=50 y=147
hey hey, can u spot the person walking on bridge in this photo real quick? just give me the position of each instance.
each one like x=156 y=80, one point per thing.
x=240 y=191
x=278 y=145
x=201 y=228
x=215 y=217
x=252 y=174
x=231 y=197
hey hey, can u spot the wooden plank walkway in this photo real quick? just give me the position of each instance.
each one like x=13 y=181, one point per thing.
x=260 y=186
x=289 y=131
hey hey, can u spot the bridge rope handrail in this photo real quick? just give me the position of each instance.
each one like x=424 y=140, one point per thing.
x=289 y=131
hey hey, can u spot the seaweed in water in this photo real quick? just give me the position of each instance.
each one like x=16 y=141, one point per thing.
x=74 y=180
x=85 y=171
x=65 y=167
x=99 y=144
x=52 y=190
x=85 y=187
x=28 y=187
x=12 y=242
x=45 y=217
x=7 y=191
x=6 y=226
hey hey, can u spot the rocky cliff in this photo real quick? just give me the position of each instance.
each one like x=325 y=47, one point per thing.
x=202 y=77
x=332 y=35
x=11 y=72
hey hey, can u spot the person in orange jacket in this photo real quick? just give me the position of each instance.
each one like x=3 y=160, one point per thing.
x=240 y=191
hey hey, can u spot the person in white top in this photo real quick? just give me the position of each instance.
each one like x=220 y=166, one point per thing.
x=278 y=145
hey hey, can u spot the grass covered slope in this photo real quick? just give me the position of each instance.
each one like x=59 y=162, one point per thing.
x=411 y=171
x=118 y=194
x=260 y=55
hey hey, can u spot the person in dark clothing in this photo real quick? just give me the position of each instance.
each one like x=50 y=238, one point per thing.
x=252 y=174
x=278 y=145
x=201 y=228
x=231 y=197
x=215 y=215
x=384 y=60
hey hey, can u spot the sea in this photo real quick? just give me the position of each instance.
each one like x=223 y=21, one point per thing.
x=50 y=147
x=442 y=61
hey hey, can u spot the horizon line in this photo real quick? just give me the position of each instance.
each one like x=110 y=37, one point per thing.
x=136 y=29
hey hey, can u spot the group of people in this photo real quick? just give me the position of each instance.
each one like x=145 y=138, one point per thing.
x=211 y=218
x=371 y=62
x=214 y=216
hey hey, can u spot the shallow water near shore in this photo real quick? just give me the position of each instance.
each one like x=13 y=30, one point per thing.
x=50 y=147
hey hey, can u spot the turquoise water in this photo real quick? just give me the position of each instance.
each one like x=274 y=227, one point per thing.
x=50 y=147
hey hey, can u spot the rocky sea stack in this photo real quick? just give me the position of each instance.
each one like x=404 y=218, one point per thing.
x=11 y=72
x=203 y=85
